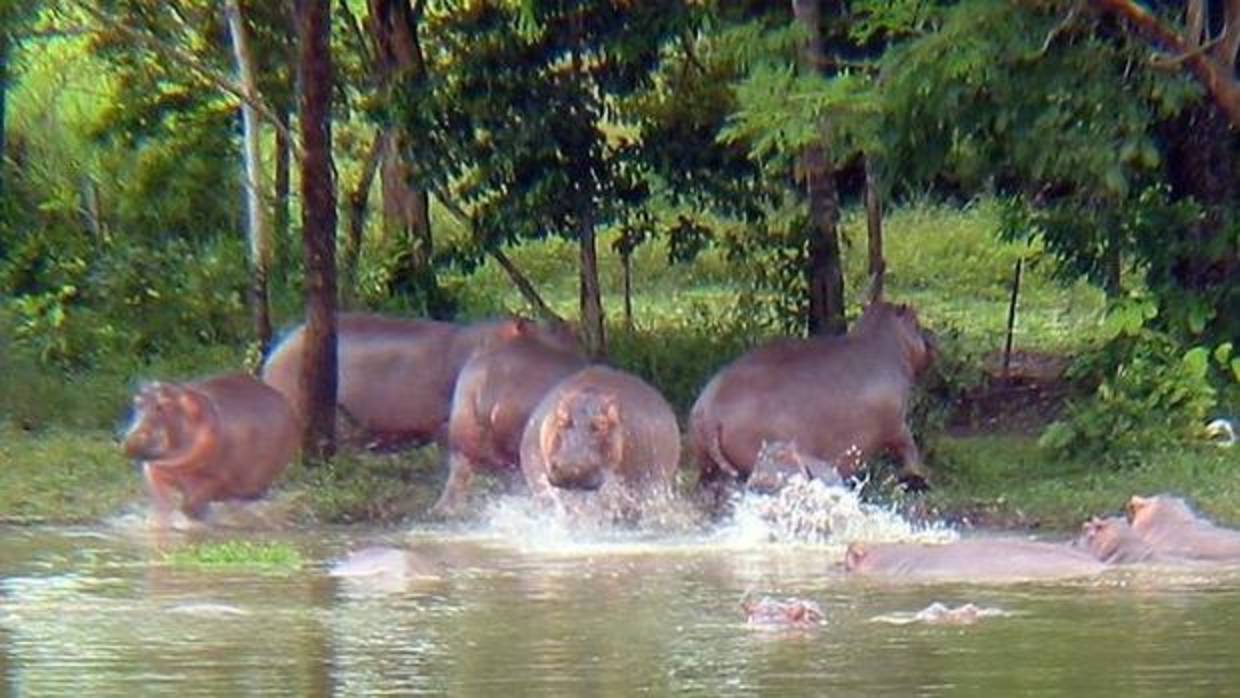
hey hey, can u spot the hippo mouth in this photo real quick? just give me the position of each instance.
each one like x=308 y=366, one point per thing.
x=576 y=478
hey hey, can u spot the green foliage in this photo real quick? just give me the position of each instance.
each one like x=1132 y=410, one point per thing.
x=268 y=556
x=1151 y=392
x=369 y=487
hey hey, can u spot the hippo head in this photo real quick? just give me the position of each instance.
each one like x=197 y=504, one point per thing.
x=855 y=557
x=163 y=416
x=555 y=334
x=1102 y=537
x=899 y=322
x=582 y=440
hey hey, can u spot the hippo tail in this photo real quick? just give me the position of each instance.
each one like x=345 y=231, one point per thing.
x=714 y=450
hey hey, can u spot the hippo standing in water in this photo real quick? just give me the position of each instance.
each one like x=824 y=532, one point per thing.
x=395 y=375
x=604 y=430
x=1171 y=528
x=982 y=560
x=496 y=392
x=226 y=437
x=839 y=399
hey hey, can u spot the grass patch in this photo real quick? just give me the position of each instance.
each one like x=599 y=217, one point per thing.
x=237 y=554
x=62 y=475
x=1009 y=481
x=368 y=487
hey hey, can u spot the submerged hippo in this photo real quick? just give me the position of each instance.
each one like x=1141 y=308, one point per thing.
x=839 y=399
x=226 y=437
x=982 y=560
x=395 y=375
x=601 y=429
x=497 y=390
x=789 y=614
x=1172 y=528
x=1113 y=541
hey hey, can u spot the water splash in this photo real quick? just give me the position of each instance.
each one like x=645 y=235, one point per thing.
x=941 y=614
x=815 y=513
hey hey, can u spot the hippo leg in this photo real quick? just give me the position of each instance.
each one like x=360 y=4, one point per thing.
x=460 y=474
x=197 y=496
x=914 y=472
x=162 y=490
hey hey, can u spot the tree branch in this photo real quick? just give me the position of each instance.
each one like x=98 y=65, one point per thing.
x=188 y=61
x=1217 y=79
x=1226 y=52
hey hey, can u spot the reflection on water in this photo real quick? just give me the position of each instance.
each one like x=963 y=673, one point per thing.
x=523 y=605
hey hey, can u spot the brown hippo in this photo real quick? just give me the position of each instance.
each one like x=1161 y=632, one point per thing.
x=1113 y=541
x=839 y=399
x=981 y=560
x=600 y=428
x=395 y=375
x=497 y=390
x=778 y=461
x=1173 y=529
x=227 y=437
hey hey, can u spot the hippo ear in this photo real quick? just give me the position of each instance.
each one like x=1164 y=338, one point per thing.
x=1135 y=505
x=563 y=417
x=854 y=556
x=611 y=411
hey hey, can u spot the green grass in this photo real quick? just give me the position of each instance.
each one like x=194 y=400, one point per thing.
x=63 y=475
x=266 y=556
x=1008 y=480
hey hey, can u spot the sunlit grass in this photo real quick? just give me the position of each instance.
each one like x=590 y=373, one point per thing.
x=269 y=556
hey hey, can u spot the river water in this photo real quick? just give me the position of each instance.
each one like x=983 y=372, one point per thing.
x=519 y=605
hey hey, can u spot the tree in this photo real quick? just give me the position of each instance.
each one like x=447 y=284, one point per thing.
x=318 y=379
x=258 y=226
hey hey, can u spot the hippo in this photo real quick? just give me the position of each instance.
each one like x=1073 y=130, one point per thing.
x=496 y=392
x=980 y=560
x=1173 y=529
x=778 y=461
x=395 y=375
x=789 y=614
x=226 y=437
x=839 y=399
x=1113 y=541
x=385 y=568
x=601 y=429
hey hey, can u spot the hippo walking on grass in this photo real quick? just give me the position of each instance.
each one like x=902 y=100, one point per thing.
x=395 y=375
x=605 y=430
x=838 y=399
x=226 y=437
x=496 y=392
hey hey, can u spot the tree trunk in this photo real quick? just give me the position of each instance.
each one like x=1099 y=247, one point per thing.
x=393 y=25
x=358 y=205
x=257 y=228
x=4 y=95
x=284 y=247
x=592 y=333
x=318 y=376
x=874 y=228
x=823 y=272
x=524 y=286
x=627 y=260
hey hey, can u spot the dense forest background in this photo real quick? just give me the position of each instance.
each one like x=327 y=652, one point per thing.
x=183 y=175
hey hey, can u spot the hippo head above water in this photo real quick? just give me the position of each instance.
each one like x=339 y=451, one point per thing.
x=583 y=440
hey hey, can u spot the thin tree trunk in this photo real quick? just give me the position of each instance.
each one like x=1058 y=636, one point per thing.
x=524 y=286
x=823 y=272
x=591 y=299
x=4 y=98
x=318 y=377
x=284 y=247
x=874 y=228
x=359 y=200
x=257 y=227
x=627 y=260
